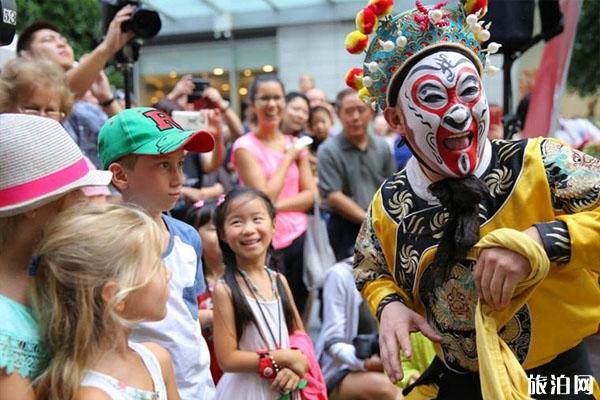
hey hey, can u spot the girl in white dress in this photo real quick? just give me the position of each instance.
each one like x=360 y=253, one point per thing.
x=100 y=271
x=254 y=309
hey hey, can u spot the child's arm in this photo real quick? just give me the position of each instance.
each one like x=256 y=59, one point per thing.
x=91 y=393
x=206 y=318
x=230 y=358
x=166 y=367
x=13 y=386
x=297 y=319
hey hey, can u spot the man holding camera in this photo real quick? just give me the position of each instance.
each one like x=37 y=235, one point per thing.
x=42 y=39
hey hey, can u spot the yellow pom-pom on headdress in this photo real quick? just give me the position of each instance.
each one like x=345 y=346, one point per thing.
x=356 y=42
x=365 y=95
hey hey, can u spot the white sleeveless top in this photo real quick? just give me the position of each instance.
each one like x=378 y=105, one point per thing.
x=117 y=390
x=253 y=386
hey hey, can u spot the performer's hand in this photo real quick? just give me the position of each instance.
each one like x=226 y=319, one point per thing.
x=396 y=323
x=498 y=271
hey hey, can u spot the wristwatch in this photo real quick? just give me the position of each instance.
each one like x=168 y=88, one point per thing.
x=224 y=105
x=108 y=102
x=267 y=367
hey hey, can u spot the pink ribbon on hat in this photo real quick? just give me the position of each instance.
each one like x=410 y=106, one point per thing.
x=46 y=184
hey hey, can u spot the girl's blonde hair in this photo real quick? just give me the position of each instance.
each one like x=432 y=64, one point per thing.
x=22 y=75
x=83 y=249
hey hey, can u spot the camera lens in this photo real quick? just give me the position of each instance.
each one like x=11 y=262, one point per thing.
x=144 y=23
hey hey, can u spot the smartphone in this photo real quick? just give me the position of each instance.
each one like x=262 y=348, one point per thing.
x=303 y=142
x=191 y=120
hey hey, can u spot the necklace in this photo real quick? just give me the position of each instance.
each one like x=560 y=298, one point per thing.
x=254 y=290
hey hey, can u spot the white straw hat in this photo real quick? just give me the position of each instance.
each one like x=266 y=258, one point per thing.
x=39 y=162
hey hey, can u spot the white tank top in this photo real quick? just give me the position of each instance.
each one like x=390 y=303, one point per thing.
x=117 y=390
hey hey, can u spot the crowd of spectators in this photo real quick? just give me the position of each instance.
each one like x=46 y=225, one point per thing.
x=338 y=169
x=351 y=151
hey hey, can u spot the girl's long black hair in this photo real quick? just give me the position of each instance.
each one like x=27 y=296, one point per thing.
x=200 y=216
x=242 y=312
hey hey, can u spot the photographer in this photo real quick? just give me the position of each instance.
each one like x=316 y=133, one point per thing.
x=340 y=347
x=42 y=39
x=179 y=99
x=86 y=79
x=206 y=177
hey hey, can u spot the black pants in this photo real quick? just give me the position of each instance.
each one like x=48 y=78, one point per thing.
x=293 y=264
x=342 y=236
x=454 y=386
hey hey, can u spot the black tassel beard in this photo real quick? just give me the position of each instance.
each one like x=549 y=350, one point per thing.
x=460 y=198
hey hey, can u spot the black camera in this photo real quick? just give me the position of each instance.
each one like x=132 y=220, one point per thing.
x=8 y=21
x=199 y=86
x=366 y=345
x=144 y=23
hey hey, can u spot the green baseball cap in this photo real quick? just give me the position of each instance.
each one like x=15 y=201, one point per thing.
x=148 y=131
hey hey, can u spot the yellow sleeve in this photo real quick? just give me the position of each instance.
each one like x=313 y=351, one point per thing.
x=584 y=233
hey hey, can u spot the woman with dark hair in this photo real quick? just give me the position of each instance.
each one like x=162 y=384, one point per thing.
x=270 y=161
x=295 y=117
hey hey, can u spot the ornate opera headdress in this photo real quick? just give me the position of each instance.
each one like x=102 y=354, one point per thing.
x=400 y=41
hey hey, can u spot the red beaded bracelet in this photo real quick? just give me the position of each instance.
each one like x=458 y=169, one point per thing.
x=267 y=367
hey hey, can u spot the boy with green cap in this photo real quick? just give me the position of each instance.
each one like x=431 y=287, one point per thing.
x=144 y=149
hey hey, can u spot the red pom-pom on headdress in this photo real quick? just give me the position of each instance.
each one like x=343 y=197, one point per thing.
x=354 y=78
x=475 y=6
x=366 y=21
x=381 y=8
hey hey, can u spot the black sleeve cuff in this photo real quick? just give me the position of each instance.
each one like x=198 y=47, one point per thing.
x=387 y=300
x=556 y=239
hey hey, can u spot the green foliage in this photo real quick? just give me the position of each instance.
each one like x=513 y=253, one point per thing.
x=77 y=20
x=584 y=72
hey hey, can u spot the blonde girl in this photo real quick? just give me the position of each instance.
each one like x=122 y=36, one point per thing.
x=254 y=310
x=41 y=172
x=100 y=271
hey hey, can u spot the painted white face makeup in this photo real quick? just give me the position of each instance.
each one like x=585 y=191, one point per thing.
x=447 y=113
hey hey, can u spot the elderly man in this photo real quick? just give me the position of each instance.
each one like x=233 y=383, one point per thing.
x=488 y=248
x=351 y=166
